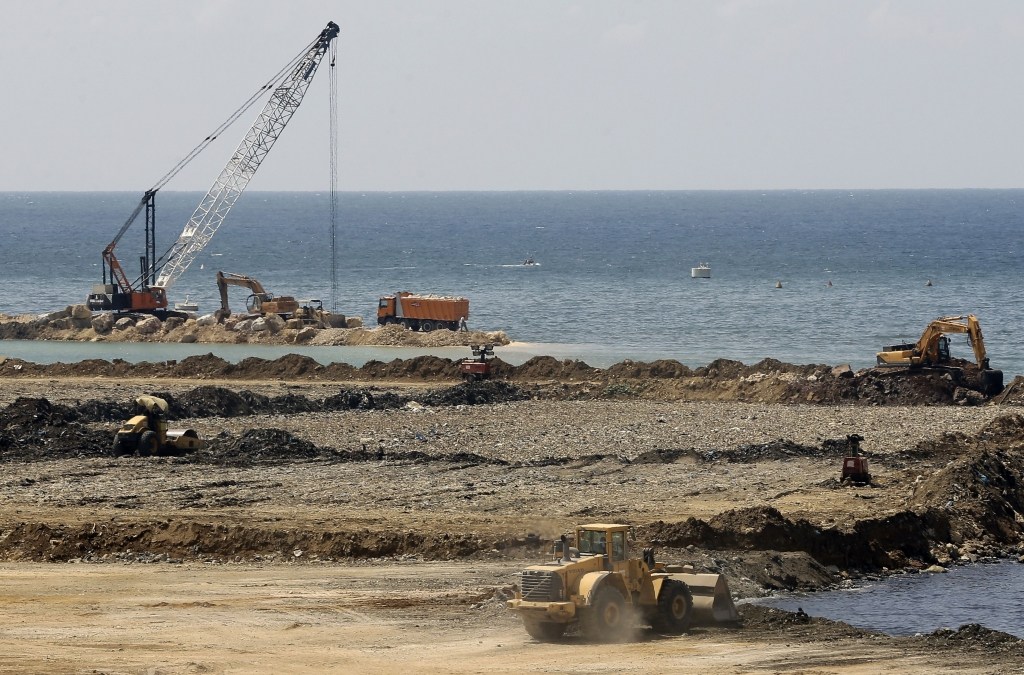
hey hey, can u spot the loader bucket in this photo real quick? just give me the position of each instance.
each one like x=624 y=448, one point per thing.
x=712 y=601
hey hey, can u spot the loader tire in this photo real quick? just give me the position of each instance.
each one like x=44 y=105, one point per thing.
x=544 y=631
x=606 y=619
x=147 y=444
x=120 y=448
x=675 y=608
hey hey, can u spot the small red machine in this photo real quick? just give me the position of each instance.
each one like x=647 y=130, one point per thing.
x=479 y=367
x=855 y=467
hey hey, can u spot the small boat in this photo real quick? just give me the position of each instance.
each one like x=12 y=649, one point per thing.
x=530 y=262
x=186 y=306
x=701 y=271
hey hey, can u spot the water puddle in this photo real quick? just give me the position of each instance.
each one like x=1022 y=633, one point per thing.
x=989 y=594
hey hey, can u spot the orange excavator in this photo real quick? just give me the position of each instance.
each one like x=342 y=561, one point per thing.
x=932 y=350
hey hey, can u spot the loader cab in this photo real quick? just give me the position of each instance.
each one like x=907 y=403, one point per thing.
x=604 y=540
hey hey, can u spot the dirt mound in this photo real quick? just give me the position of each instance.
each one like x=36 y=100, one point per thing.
x=769 y=381
x=421 y=367
x=982 y=495
x=976 y=637
x=476 y=393
x=188 y=539
x=550 y=368
x=288 y=367
x=258 y=446
x=870 y=544
x=771 y=619
x=635 y=370
x=35 y=429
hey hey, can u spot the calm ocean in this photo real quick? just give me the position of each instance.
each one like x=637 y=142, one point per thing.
x=614 y=267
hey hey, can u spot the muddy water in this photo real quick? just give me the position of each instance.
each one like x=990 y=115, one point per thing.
x=989 y=594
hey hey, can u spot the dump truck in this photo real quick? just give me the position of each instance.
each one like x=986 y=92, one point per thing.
x=597 y=586
x=146 y=433
x=931 y=351
x=422 y=312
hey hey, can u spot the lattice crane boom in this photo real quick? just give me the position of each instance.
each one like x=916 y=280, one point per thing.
x=235 y=176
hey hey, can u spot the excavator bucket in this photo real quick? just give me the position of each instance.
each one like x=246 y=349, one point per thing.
x=712 y=601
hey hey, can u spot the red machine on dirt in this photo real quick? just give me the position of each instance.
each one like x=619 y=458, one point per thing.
x=479 y=367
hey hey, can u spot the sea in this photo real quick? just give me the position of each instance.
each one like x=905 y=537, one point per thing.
x=823 y=276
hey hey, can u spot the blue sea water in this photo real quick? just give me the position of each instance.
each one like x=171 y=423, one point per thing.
x=613 y=279
x=989 y=594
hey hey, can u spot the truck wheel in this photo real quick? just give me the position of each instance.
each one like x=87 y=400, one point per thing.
x=675 y=608
x=147 y=444
x=605 y=620
x=544 y=631
x=427 y=326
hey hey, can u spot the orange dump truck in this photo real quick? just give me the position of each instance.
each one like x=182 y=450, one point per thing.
x=422 y=312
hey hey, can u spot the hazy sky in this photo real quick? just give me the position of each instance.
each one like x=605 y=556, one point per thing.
x=523 y=94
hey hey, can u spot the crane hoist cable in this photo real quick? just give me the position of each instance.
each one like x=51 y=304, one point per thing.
x=243 y=164
x=334 y=176
x=270 y=84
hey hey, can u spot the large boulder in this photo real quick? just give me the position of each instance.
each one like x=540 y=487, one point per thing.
x=51 y=317
x=353 y=322
x=124 y=323
x=173 y=322
x=80 y=312
x=103 y=323
x=206 y=320
x=149 y=325
x=188 y=338
x=305 y=334
x=271 y=323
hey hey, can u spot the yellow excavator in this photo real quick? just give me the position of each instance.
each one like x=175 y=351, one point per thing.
x=932 y=350
x=260 y=301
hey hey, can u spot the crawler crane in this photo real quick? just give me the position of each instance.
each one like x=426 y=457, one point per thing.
x=148 y=293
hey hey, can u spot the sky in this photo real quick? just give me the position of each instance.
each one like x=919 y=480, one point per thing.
x=524 y=94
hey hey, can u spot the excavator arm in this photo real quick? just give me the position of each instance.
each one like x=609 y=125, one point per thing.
x=224 y=280
x=932 y=349
x=927 y=346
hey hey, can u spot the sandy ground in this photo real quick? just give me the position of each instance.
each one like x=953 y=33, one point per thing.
x=174 y=566
x=370 y=618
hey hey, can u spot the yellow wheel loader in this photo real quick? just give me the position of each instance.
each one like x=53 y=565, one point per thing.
x=146 y=434
x=598 y=587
